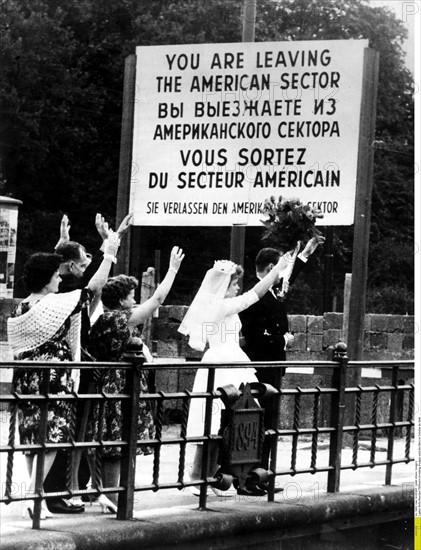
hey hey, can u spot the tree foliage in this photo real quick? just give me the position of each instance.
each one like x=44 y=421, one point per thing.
x=61 y=87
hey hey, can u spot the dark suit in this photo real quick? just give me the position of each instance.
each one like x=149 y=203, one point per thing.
x=264 y=325
x=56 y=478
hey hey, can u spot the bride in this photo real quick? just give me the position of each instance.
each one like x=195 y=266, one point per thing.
x=213 y=319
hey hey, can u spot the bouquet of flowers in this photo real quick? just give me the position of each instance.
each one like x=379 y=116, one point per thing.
x=289 y=221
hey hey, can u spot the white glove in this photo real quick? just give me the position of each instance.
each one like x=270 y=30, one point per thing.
x=111 y=244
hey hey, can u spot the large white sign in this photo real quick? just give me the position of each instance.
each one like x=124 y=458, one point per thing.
x=218 y=128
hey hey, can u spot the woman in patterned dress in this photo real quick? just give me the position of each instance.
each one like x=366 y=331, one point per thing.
x=45 y=326
x=108 y=339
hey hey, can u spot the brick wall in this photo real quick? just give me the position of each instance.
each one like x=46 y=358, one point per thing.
x=386 y=337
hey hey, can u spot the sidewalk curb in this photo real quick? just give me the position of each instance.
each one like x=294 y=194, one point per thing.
x=183 y=526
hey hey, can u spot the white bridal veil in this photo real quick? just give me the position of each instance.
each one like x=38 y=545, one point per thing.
x=206 y=305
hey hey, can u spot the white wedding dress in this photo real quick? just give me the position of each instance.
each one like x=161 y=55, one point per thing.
x=224 y=345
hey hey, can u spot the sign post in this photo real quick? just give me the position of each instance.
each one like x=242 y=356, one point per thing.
x=125 y=167
x=238 y=232
x=362 y=212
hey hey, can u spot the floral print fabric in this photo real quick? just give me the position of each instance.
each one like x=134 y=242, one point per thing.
x=108 y=339
x=27 y=381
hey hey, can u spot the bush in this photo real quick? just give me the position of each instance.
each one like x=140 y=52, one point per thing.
x=391 y=299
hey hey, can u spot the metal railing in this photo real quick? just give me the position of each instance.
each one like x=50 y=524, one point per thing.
x=369 y=406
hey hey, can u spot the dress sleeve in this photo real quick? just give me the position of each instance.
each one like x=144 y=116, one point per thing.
x=230 y=306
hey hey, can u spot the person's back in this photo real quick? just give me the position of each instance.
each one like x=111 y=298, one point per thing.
x=265 y=322
x=265 y=327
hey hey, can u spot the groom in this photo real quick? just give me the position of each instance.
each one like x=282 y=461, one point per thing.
x=265 y=325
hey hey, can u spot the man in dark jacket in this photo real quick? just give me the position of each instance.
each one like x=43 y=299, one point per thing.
x=76 y=270
x=265 y=326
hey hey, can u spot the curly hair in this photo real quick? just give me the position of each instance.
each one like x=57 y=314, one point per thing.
x=238 y=273
x=116 y=289
x=39 y=269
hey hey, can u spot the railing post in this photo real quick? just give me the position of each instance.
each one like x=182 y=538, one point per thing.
x=337 y=417
x=207 y=445
x=130 y=410
x=274 y=441
x=40 y=455
x=392 y=420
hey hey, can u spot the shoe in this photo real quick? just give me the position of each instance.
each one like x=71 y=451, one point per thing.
x=89 y=498
x=106 y=505
x=76 y=501
x=63 y=506
x=28 y=510
x=195 y=490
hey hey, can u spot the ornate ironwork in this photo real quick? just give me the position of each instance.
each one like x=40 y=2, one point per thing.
x=243 y=432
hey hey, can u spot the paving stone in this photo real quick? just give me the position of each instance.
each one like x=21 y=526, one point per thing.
x=166 y=331
x=379 y=323
x=314 y=342
x=167 y=349
x=331 y=337
x=396 y=323
x=315 y=324
x=409 y=324
x=298 y=323
x=378 y=340
x=332 y=321
x=394 y=341
x=300 y=342
x=177 y=313
x=408 y=342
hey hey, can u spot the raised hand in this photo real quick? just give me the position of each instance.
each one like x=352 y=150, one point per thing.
x=292 y=254
x=285 y=266
x=64 y=231
x=125 y=224
x=312 y=245
x=102 y=226
x=176 y=258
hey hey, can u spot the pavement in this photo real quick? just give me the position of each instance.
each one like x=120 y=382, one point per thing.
x=296 y=489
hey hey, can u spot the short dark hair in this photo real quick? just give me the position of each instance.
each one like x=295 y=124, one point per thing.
x=70 y=251
x=116 y=289
x=265 y=257
x=39 y=269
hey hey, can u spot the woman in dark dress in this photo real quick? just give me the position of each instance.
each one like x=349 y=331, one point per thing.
x=108 y=339
x=45 y=326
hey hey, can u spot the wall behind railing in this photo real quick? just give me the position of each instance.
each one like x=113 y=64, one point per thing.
x=386 y=337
